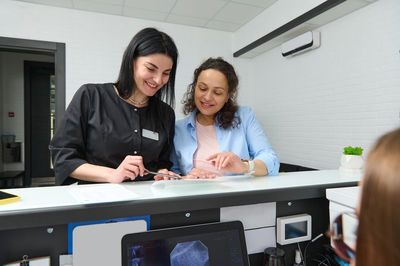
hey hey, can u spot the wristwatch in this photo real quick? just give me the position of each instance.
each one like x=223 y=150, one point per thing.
x=251 y=167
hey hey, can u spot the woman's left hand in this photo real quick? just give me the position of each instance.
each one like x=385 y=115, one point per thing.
x=227 y=162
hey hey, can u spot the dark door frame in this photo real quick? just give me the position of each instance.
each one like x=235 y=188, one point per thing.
x=41 y=47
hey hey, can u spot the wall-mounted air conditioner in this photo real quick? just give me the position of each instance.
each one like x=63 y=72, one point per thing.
x=304 y=42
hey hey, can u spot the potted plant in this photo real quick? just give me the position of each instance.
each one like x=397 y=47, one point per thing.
x=351 y=158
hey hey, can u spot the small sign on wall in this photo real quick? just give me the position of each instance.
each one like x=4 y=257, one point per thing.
x=11 y=114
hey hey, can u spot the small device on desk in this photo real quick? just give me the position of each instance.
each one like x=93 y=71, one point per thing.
x=293 y=229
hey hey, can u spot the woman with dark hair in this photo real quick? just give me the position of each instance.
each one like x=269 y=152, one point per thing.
x=219 y=137
x=113 y=132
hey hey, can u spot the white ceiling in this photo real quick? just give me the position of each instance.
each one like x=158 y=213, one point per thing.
x=225 y=15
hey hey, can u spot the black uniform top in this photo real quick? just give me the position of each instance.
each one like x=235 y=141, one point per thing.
x=100 y=128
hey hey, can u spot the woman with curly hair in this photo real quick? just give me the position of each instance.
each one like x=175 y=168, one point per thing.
x=219 y=137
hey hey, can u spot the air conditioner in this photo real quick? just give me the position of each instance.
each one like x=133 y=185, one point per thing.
x=304 y=42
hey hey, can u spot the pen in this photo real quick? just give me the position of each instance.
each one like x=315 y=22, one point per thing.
x=161 y=174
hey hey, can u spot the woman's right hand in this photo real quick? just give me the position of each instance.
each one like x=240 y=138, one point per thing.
x=130 y=168
x=196 y=173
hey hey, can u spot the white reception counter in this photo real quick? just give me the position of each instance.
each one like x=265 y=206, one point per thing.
x=166 y=203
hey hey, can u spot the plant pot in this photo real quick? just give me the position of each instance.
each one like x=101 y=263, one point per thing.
x=351 y=162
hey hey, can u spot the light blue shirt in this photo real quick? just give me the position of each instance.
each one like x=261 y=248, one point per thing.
x=246 y=140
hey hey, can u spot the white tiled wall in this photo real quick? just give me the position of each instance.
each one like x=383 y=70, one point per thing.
x=347 y=92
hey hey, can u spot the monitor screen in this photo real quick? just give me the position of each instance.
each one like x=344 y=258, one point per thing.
x=205 y=244
x=294 y=230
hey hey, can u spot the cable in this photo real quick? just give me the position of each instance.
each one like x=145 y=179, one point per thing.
x=320 y=262
x=325 y=259
x=301 y=253
x=305 y=249
x=317 y=237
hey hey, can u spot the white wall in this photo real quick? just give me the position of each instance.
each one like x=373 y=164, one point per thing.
x=347 y=92
x=95 y=42
x=311 y=106
x=12 y=96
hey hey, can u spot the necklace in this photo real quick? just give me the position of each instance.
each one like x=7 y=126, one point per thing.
x=138 y=103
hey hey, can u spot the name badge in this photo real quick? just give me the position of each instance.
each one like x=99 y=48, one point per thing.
x=150 y=134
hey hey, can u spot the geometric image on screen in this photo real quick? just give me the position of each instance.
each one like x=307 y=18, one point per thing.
x=294 y=230
x=199 y=245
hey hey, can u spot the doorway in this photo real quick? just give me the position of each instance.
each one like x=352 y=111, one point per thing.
x=39 y=95
x=42 y=107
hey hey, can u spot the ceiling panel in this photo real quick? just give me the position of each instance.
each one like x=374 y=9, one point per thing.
x=96 y=6
x=58 y=3
x=153 y=5
x=225 y=15
x=198 y=22
x=144 y=14
x=238 y=13
x=110 y=2
x=205 y=9
x=259 y=3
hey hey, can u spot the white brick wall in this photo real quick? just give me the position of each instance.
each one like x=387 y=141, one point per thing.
x=347 y=92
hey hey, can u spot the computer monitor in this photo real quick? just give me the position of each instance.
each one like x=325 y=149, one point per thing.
x=205 y=244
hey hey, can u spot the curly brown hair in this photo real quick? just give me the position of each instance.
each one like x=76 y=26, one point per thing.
x=226 y=116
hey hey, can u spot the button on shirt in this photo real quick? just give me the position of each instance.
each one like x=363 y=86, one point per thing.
x=247 y=140
x=100 y=128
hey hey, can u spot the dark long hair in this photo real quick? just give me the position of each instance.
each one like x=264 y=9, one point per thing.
x=150 y=41
x=378 y=237
x=226 y=116
x=146 y=42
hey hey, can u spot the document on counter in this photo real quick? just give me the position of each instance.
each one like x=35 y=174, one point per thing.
x=7 y=197
x=41 y=261
x=101 y=193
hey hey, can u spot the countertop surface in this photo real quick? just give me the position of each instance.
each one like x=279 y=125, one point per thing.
x=74 y=195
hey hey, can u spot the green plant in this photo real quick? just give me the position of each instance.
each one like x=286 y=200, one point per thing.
x=352 y=151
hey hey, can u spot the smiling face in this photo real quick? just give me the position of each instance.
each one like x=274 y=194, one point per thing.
x=211 y=93
x=151 y=73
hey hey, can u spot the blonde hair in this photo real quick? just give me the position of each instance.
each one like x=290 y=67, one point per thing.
x=378 y=241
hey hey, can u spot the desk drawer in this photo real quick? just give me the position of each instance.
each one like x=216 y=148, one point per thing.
x=166 y=220
x=252 y=216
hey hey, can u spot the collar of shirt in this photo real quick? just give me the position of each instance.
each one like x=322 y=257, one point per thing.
x=191 y=121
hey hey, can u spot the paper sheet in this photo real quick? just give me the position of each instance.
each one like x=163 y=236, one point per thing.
x=101 y=193
x=44 y=261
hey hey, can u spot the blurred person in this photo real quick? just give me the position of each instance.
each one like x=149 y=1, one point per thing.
x=377 y=239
